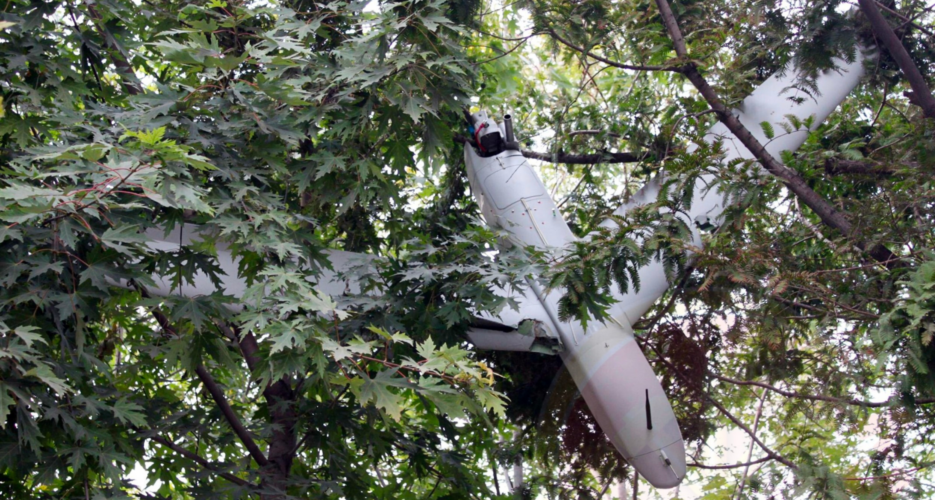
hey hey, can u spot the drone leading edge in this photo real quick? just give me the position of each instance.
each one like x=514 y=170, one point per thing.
x=612 y=374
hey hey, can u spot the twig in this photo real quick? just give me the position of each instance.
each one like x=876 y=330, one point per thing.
x=676 y=69
x=131 y=83
x=743 y=427
x=897 y=473
x=731 y=466
x=812 y=397
x=508 y=52
x=756 y=426
x=592 y=132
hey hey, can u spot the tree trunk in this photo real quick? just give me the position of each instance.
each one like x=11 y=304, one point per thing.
x=280 y=399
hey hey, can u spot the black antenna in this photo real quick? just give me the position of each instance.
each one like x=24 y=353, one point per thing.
x=511 y=142
x=649 y=413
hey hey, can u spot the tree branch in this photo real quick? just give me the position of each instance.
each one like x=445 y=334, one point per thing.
x=218 y=395
x=756 y=427
x=131 y=83
x=731 y=466
x=587 y=159
x=280 y=398
x=906 y=20
x=792 y=180
x=838 y=166
x=592 y=132
x=769 y=452
x=898 y=51
x=812 y=397
x=676 y=69
x=896 y=473
x=200 y=461
x=577 y=159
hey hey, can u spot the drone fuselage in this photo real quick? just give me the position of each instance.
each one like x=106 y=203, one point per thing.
x=611 y=372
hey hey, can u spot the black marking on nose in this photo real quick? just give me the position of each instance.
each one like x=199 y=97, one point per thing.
x=649 y=413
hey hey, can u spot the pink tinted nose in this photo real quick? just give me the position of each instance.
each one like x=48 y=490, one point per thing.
x=630 y=405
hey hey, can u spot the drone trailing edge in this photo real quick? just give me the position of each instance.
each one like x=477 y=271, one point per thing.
x=608 y=367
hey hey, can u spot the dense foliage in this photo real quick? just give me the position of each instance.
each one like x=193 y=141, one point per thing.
x=290 y=127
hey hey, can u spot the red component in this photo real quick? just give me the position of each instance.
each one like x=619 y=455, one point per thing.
x=477 y=139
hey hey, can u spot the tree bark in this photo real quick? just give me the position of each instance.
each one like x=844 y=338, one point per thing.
x=882 y=29
x=280 y=400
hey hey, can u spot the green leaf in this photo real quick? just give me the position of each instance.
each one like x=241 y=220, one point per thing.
x=6 y=401
x=286 y=337
x=129 y=412
x=44 y=373
x=23 y=192
x=377 y=390
x=413 y=107
x=146 y=137
x=491 y=400
x=767 y=129
x=118 y=238
x=28 y=335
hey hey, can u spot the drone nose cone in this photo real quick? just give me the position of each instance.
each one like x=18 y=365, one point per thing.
x=663 y=468
x=629 y=404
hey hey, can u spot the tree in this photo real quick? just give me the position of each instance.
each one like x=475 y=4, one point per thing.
x=288 y=128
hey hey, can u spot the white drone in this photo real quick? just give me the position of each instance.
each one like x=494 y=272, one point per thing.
x=608 y=367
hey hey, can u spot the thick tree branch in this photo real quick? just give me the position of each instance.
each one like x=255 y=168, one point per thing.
x=895 y=47
x=218 y=395
x=587 y=159
x=793 y=181
x=280 y=399
x=577 y=159
x=247 y=343
x=200 y=461
x=814 y=397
